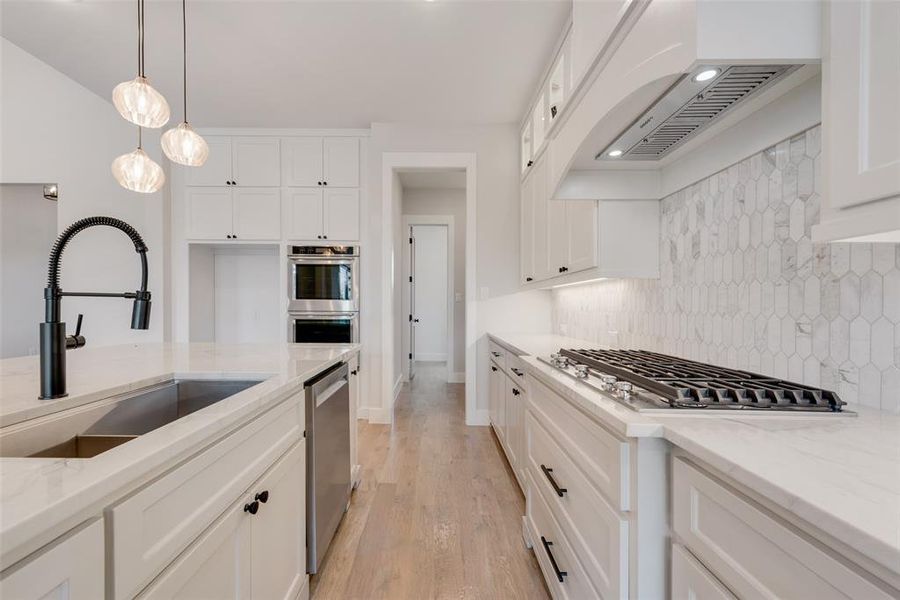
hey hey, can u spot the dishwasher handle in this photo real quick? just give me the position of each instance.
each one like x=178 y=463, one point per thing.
x=331 y=390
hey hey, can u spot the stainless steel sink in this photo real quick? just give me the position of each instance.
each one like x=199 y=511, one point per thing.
x=87 y=431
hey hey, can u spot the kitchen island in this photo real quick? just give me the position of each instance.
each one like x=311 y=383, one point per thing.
x=169 y=487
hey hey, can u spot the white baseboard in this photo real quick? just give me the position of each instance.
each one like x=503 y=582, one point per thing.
x=355 y=475
x=426 y=357
x=459 y=377
x=481 y=417
x=379 y=415
x=362 y=413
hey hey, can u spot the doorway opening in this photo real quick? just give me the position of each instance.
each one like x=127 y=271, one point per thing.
x=432 y=314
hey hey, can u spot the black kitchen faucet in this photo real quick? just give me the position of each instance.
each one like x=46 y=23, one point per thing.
x=54 y=341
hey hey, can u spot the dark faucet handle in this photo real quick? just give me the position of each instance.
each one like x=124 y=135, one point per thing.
x=77 y=340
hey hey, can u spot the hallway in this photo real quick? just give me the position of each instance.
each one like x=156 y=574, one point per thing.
x=438 y=512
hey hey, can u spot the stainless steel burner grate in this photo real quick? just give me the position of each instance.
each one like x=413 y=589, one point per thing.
x=691 y=384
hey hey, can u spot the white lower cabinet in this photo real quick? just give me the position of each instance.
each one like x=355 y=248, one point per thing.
x=68 y=569
x=355 y=467
x=692 y=581
x=246 y=554
x=514 y=427
x=497 y=399
x=752 y=552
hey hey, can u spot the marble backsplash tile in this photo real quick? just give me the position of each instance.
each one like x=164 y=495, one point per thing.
x=743 y=285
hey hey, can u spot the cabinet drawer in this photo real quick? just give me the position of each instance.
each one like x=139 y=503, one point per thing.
x=498 y=354
x=156 y=523
x=549 y=541
x=592 y=526
x=754 y=554
x=690 y=579
x=515 y=366
x=603 y=457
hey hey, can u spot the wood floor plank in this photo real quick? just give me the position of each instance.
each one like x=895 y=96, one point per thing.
x=438 y=511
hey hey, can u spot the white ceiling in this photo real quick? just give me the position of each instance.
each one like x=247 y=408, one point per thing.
x=254 y=63
x=433 y=180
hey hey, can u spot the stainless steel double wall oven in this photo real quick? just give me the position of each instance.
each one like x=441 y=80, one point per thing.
x=323 y=288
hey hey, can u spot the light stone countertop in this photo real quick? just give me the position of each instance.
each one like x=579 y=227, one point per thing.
x=841 y=474
x=41 y=498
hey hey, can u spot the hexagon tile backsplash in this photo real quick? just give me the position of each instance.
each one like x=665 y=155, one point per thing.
x=742 y=285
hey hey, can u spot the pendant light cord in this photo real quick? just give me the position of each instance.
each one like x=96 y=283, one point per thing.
x=184 y=53
x=140 y=16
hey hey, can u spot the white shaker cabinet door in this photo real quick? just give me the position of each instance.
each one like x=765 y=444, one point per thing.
x=341 y=162
x=513 y=422
x=216 y=566
x=301 y=161
x=303 y=211
x=216 y=171
x=70 y=569
x=257 y=214
x=691 y=580
x=557 y=238
x=278 y=529
x=581 y=234
x=526 y=239
x=542 y=267
x=257 y=161
x=209 y=213
x=341 y=208
x=861 y=85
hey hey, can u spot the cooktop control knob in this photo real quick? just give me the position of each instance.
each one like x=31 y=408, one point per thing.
x=581 y=371
x=608 y=381
x=625 y=388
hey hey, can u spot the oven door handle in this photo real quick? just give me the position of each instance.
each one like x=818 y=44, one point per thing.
x=326 y=260
x=326 y=316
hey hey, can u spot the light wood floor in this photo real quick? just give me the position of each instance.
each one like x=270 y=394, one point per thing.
x=438 y=512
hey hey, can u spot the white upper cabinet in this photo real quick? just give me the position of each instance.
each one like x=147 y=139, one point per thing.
x=861 y=122
x=317 y=161
x=71 y=569
x=256 y=161
x=527 y=230
x=217 y=168
x=240 y=213
x=341 y=214
x=257 y=214
x=304 y=213
x=341 y=167
x=239 y=160
x=302 y=161
x=209 y=213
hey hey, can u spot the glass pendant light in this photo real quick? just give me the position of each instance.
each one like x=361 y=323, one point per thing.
x=136 y=100
x=182 y=144
x=138 y=172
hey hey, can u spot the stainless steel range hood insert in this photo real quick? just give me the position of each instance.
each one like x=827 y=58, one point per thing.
x=695 y=101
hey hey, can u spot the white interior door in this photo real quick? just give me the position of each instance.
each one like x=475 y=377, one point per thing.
x=412 y=305
x=430 y=292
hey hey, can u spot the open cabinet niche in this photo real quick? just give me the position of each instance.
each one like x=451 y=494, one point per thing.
x=234 y=293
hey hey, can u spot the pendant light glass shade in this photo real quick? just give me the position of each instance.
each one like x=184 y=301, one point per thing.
x=137 y=172
x=184 y=146
x=138 y=102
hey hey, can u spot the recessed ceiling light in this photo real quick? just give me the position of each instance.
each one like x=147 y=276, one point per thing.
x=706 y=75
x=615 y=153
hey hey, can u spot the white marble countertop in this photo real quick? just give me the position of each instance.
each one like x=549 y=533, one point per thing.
x=839 y=474
x=40 y=498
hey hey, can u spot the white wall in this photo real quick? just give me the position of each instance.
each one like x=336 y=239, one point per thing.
x=431 y=290
x=55 y=130
x=448 y=202
x=497 y=241
x=27 y=231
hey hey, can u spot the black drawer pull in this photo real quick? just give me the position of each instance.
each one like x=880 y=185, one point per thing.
x=559 y=574
x=559 y=491
x=515 y=392
x=263 y=496
x=495 y=354
x=252 y=508
x=517 y=372
x=493 y=368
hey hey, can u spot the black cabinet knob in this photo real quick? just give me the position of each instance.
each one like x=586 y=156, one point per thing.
x=324 y=183
x=318 y=183
x=530 y=162
x=527 y=279
x=515 y=392
x=263 y=496
x=324 y=237
x=353 y=372
x=252 y=507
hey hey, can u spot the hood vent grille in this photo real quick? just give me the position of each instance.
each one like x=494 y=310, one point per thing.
x=688 y=107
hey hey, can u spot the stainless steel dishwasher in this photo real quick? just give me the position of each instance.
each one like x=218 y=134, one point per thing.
x=327 y=459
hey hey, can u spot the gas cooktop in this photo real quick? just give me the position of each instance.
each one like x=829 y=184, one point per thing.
x=649 y=381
